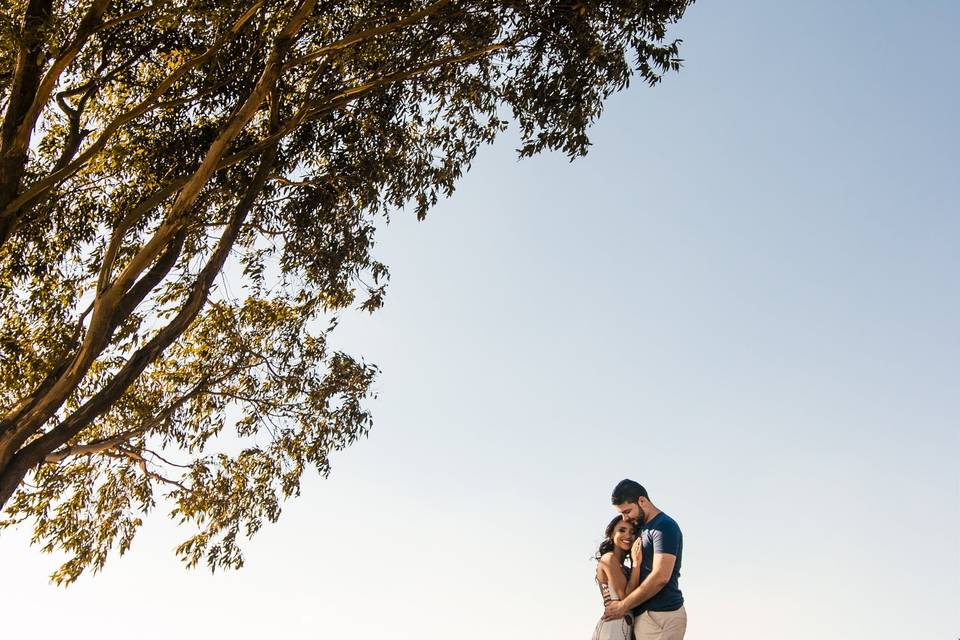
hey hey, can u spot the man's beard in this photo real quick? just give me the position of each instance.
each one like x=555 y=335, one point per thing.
x=642 y=518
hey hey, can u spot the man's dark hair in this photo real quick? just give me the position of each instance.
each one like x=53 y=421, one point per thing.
x=628 y=491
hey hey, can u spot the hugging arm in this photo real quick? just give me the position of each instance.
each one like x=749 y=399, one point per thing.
x=659 y=576
x=615 y=578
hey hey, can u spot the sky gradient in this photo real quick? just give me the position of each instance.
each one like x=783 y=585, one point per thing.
x=745 y=298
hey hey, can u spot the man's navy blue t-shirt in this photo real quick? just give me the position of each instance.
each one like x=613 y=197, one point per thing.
x=661 y=535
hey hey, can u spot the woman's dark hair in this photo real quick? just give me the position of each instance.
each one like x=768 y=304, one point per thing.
x=628 y=491
x=607 y=545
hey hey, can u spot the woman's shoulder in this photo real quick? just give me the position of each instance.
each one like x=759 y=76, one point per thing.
x=607 y=559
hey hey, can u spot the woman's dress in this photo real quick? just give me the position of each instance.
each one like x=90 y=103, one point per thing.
x=618 y=629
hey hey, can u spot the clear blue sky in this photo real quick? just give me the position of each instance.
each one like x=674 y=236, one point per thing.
x=746 y=298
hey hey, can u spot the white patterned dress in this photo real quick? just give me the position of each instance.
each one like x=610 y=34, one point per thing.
x=618 y=629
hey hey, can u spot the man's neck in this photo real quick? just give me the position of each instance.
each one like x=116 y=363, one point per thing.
x=651 y=513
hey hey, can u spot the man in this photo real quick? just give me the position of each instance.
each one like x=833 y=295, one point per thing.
x=657 y=603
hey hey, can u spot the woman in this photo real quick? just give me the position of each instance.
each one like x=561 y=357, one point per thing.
x=614 y=578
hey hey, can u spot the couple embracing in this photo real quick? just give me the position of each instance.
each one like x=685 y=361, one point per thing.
x=643 y=598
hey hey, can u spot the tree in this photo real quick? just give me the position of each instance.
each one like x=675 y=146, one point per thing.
x=148 y=145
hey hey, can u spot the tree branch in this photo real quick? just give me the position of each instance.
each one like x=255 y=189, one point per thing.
x=101 y=320
x=15 y=431
x=150 y=203
x=366 y=34
x=36 y=451
x=142 y=463
x=100 y=446
x=26 y=73
x=23 y=87
x=97 y=446
x=12 y=208
x=21 y=138
x=127 y=17
x=332 y=102
x=86 y=91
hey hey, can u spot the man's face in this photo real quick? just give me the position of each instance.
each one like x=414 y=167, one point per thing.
x=633 y=512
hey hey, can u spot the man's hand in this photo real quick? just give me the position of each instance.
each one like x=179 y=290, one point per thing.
x=614 y=610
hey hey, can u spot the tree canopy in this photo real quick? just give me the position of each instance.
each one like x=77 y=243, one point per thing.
x=146 y=146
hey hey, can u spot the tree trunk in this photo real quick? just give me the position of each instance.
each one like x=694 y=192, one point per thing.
x=26 y=79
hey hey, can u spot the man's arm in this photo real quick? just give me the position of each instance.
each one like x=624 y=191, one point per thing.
x=659 y=576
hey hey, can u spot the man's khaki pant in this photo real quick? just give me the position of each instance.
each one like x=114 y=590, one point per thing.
x=661 y=625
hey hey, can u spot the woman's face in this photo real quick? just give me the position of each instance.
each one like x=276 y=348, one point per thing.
x=623 y=535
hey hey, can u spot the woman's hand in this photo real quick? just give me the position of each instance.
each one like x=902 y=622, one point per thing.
x=636 y=553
